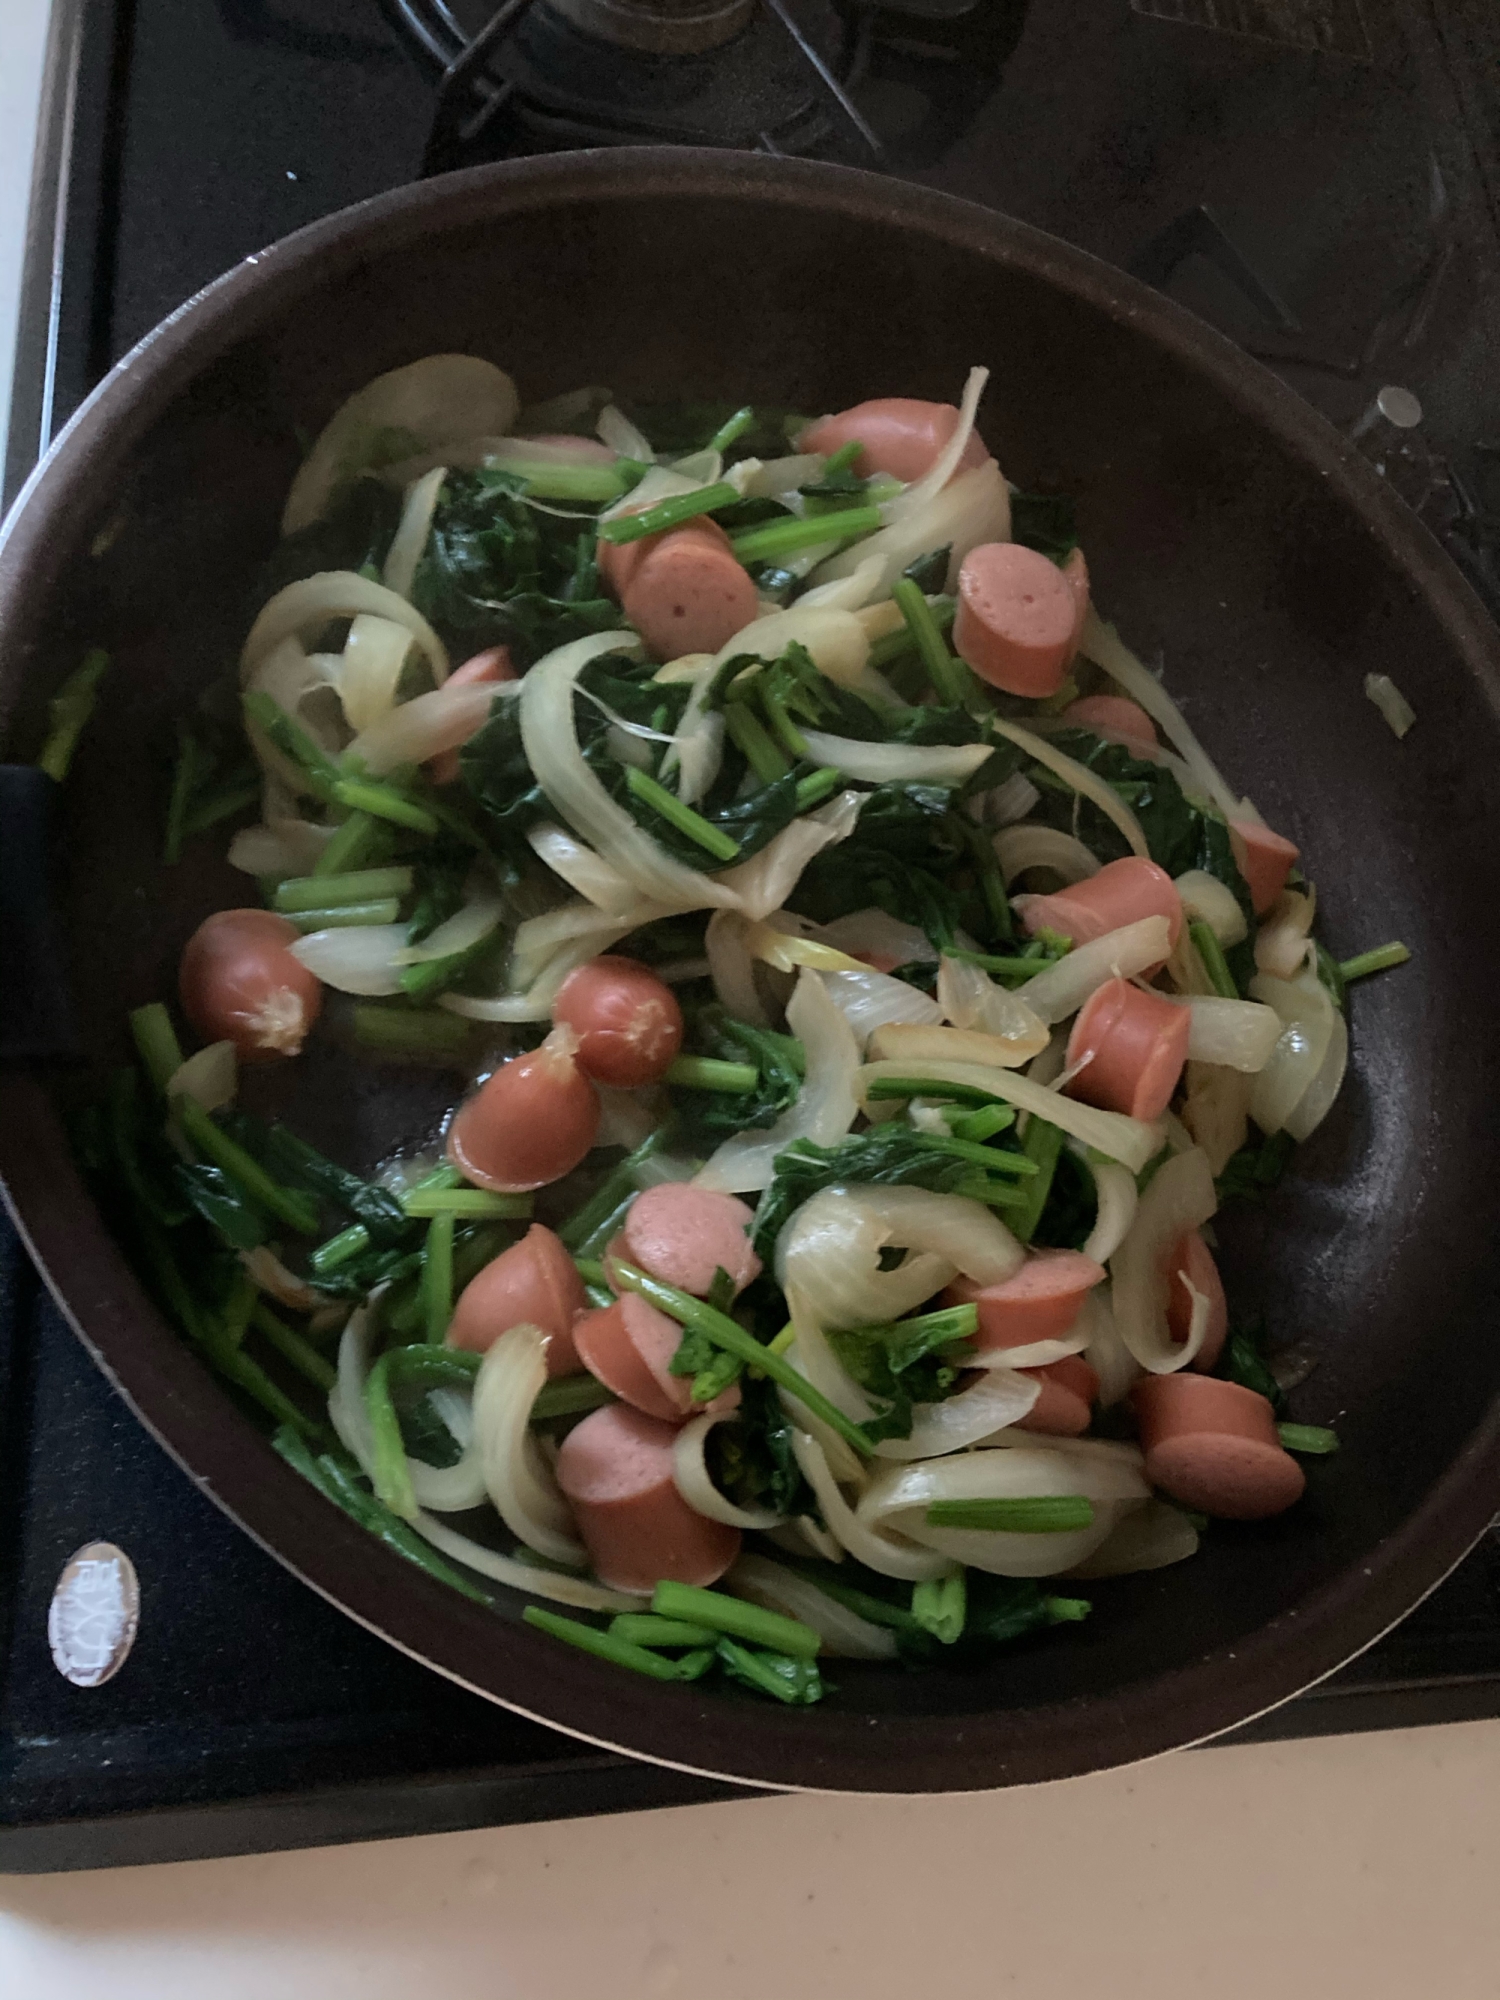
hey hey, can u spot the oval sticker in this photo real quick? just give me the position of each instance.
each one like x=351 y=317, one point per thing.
x=95 y=1609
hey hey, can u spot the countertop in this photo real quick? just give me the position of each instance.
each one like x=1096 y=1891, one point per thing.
x=1347 y=1866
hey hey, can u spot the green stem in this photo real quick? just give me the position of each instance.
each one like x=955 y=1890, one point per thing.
x=361 y=885
x=940 y=1606
x=977 y=1126
x=777 y=714
x=298 y=1211
x=931 y=1329
x=712 y=839
x=731 y=430
x=348 y=847
x=1381 y=959
x=1066 y=1610
x=843 y=459
x=817 y=786
x=994 y=1194
x=1316 y=1440
x=1051 y=1514
x=785 y=538
x=343 y=916
x=887 y=1087
x=185 y=778
x=789 y=1677
x=709 y=1073
x=1214 y=962
x=644 y=1628
x=592 y=484
x=293 y=741
x=1042 y=1141
x=724 y=1332
x=437 y=1278
x=591 y=1226
x=222 y=804
x=424 y=1032
x=383 y=803
x=896 y=645
x=68 y=713
x=749 y=735
x=589 y=1639
x=718 y=1613
x=156 y=1041
x=471 y=1203
x=568 y=1396
x=293 y=1348
x=946 y=672
x=667 y=513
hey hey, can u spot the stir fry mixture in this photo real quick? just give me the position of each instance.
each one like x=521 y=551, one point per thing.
x=860 y=990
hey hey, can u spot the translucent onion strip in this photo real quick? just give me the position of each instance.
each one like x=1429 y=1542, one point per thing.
x=897 y=763
x=373 y=658
x=1149 y=1537
x=1180 y=1197
x=869 y=1000
x=1307 y=1015
x=845 y=1635
x=1216 y=1111
x=582 y=869
x=886 y=1554
x=1103 y=645
x=829 y=1252
x=732 y=969
x=410 y=538
x=1234 y=1034
x=1000 y=1397
x=1281 y=941
x=1061 y=990
x=943 y=467
x=315 y=601
x=1104 y=1350
x=919 y=1046
x=836 y=640
x=440 y=720
x=517 y=1477
x=1088 y=784
x=460 y=932
x=691 y=1476
x=1019 y=848
x=284 y=847
x=973 y=507
x=876 y=934
x=1210 y=901
x=1124 y=1139
x=210 y=1077
x=524 y=1577
x=969 y=998
x=1317 y=1100
x=825 y=1106
x=1115 y=1193
x=447 y=1489
x=355 y=958
x=764 y=883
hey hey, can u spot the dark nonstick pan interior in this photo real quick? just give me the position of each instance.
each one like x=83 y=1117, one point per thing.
x=1227 y=529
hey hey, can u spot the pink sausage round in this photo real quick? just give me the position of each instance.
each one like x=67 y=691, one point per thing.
x=1193 y=1255
x=533 y=1283
x=1132 y=1046
x=619 y=561
x=1065 y=1407
x=1075 y=572
x=1016 y=620
x=629 y=1346
x=1121 y=893
x=1265 y=860
x=689 y=596
x=682 y=1234
x=1213 y=1445
x=616 y=1470
x=494 y=664
x=901 y=437
x=1117 y=716
x=1040 y=1302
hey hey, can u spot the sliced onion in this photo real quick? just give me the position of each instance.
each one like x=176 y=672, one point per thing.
x=627 y=1117
x=1102 y=644
x=582 y=869
x=1111 y=1132
x=1232 y=1034
x=897 y=763
x=460 y=932
x=1019 y=848
x=845 y=1635
x=1116 y=1197
x=836 y=641
x=550 y=740
x=825 y=1107
x=847 y=593
x=355 y=958
x=732 y=969
x=1000 y=1397
x=273 y=1278
x=1062 y=989
x=1088 y=784
x=373 y=658
x=691 y=1477
x=285 y=847
x=517 y=1477
x=1392 y=703
x=315 y=601
x=448 y=1489
x=1317 y=1100
x=1216 y=1110
x=699 y=748
x=1148 y=1537
x=828 y=1254
x=876 y=934
x=943 y=467
x=917 y=1047
x=660 y=483
x=765 y=479
x=410 y=539
x=1210 y=901
x=544 y=951
x=1281 y=941
x=210 y=1077
x=623 y=438
x=304 y=687
x=969 y=998
x=440 y=397
x=972 y=508
x=1179 y=1197
x=812 y=1355
x=426 y=726
x=527 y=1578
x=764 y=883
x=885 y=1553
x=786 y=943
x=1307 y=1015
x=1009 y=802
x=1104 y=1350
x=869 y=1000
x=898 y=1499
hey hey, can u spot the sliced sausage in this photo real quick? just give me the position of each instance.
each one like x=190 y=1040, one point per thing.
x=529 y=1123
x=688 y=595
x=901 y=437
x=628 y=1022
x=1115 y=715
x=533 y=1283
x=493 y=664
x=1265 y=859
x=1121 y=893
x=1213 y=1446
x=1017 y=619
x=1040 y=1302
x=616 y=1471
x=1065 y=1408
x=1130 y=1046
x=239 y=983
x=1075 y=572
x=682 y=1234
x=619 y=561
x=629 y=1346
x=1193 y=1256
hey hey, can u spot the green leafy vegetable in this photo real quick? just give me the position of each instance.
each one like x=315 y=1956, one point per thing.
x=1246 y=1360
x=1257 y=1168
x=1045 y=522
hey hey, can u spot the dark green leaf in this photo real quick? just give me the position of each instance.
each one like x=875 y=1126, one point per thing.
x=1045 y=522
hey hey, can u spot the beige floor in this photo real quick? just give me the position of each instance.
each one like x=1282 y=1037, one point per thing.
x=1352 y=1868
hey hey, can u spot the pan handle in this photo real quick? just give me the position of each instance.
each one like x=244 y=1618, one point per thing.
x=37 y=1021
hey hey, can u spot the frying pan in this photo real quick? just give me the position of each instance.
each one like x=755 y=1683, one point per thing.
x=1228 y=530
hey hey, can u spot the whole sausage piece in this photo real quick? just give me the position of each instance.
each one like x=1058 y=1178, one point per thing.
x=1017 y=620
x=616 y=1470
x=629 y=1346
x=1213 y=1446
x=1265 y=858
x=1130 y=1046
x=619 y=561
x=901 y=436
x=533 y=1283
x=1040 y=1302
x=529 y=1123
x=1193 y=1255
x=1121 y=893
x=1065 y=1407
x=682 y=1234
x=689 y=595
x=1115 y=715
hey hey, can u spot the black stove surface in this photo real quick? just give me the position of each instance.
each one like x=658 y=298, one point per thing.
x=1318 y=177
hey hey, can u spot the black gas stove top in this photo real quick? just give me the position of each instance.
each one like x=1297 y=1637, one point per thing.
x=1320 y=178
